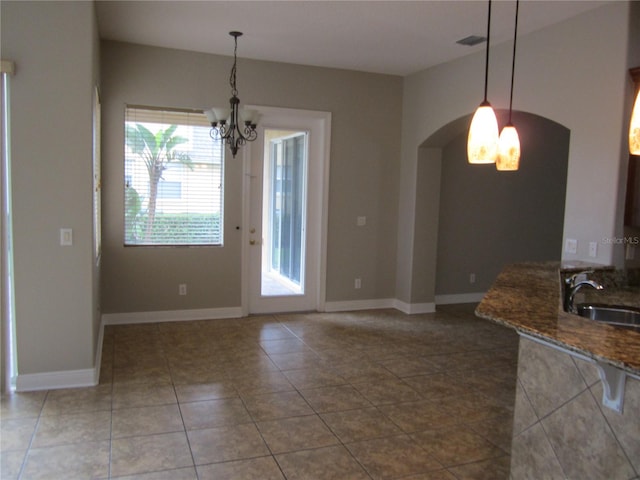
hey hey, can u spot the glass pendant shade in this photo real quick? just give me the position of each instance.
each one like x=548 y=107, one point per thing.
x=482 y=144
x=634 y=128
x=508 y=149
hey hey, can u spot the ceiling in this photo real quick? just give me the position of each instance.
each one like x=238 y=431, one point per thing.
x=392 y=37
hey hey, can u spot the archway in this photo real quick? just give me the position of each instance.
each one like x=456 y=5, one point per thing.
x=471 y=220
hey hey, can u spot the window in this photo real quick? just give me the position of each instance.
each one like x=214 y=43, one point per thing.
x=173 y=178
x=287 y=206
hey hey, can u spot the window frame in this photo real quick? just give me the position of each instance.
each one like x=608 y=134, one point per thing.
x=210 y=160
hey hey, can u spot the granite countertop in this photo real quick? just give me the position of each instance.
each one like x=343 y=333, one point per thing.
x=527 y=297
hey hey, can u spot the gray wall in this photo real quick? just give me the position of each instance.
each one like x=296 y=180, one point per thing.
x=559 y=71
x=365 y=145
x=53 y=46
x=488 y=218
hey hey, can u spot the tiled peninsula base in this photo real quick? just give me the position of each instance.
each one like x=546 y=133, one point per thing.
x=561 y=429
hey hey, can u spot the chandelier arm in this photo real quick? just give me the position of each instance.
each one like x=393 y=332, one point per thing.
x=236 y=134
x=224 y=131
x=250 y=133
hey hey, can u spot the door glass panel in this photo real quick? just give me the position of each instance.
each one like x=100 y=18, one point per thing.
x=284 y=213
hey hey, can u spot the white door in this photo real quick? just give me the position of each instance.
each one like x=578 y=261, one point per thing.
x=286 y=221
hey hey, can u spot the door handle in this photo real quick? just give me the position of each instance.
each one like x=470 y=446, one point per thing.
x=252 y=242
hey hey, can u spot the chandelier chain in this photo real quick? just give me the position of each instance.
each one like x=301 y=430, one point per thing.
x=232 y=78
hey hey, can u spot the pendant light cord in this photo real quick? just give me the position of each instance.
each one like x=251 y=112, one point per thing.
x=486 y=63
x=513 y=61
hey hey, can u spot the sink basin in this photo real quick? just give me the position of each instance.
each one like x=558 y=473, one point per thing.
x=611 y=314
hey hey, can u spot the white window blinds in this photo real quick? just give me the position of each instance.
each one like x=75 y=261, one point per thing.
x=173 y=178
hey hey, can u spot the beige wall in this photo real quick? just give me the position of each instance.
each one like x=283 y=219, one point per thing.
x=559 y=71
x=365 y=150
x=53 y=47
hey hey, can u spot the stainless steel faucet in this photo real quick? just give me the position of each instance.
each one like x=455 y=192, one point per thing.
x=571 y=287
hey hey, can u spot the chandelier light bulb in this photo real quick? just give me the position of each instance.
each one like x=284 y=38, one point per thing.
x=508 y=149
x=482 y=143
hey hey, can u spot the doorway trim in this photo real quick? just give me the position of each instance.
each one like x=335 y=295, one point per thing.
x=322 y=154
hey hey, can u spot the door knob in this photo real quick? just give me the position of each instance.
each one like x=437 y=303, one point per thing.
x=252 y=242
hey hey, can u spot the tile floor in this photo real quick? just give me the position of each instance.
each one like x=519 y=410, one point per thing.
x=359 y=395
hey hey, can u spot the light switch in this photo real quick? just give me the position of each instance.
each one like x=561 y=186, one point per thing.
x=66 y=237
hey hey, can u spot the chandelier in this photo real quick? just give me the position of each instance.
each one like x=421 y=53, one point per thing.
x=233 y=125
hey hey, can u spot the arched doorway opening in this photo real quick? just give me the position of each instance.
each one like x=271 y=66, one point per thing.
x=471 y=220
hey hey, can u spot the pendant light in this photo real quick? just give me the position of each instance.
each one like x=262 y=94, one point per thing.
x=482 y=143
x=509 y=142
x=634 y=126
x=235 y=126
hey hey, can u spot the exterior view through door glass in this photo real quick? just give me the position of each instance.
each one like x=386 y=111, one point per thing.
x=284 y=206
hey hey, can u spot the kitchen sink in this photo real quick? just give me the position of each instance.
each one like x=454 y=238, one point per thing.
x=611 y=314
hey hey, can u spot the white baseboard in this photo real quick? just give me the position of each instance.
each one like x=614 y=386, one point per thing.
x=408 y=308
x=90 y=376
x=171 y=315
x=236 y=312
x=415 y=308
x=351 y=305
x=459 y=298
x=86 y=377
x=54 y=380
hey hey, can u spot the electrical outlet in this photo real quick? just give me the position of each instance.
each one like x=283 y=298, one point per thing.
x=357 y=283
x=571 y=245
x=472 y=278
x=593 y=249
x=182 y=289
x=66 y=237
